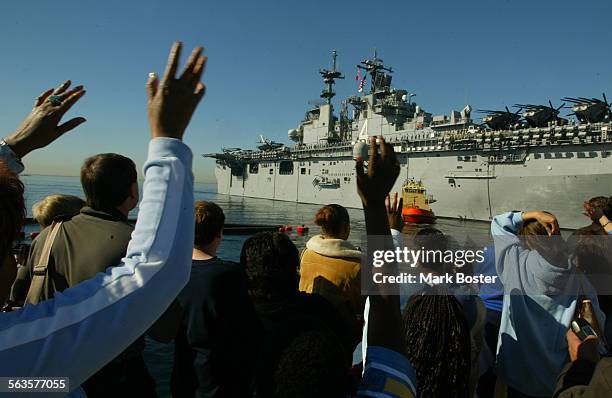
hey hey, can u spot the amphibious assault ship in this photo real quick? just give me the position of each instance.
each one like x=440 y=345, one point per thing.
x=530 y=158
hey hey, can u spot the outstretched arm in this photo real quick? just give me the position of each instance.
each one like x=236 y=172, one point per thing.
x=86 y=326
x=387 y=372
x=373 y=186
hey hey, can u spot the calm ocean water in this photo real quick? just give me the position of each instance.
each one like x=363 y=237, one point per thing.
x=240 y=211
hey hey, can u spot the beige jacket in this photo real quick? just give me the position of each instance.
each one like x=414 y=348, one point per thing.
x=332 y=269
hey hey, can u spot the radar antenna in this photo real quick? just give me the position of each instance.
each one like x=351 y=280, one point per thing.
x=329 y=77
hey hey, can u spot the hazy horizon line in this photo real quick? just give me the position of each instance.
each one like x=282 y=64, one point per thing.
x=63 y=175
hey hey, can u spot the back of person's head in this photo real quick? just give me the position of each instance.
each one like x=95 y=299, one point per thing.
x=209 y=222
x=600 y=202
x=56 y=206
x=436 y=243
x=438 y=345
x=107 y=180
x=312 y=365
x=12 y=209
x=271 y=262
x=334 y=221
x=534 y=236
x=593 y=255
x=607 y=209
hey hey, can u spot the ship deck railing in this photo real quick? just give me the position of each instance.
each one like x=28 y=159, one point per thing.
x=574 y=134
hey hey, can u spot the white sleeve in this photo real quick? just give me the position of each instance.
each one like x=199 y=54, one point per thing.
x=86 y=326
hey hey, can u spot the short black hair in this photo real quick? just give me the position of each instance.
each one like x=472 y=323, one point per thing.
x=432 y=239
x=209 y=222
x=271 y=262
x=607 y=210
x=107 y=180
x=312 y=365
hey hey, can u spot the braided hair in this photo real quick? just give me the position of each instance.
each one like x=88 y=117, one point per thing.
x=437 y=338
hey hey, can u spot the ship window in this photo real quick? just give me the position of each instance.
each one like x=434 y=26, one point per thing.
x=237 y=170
x=285 y=167
x=271 y=171
x=308 y=171
x=303 y=170
x=459 y=167
x=473 y=158
x=459 y=158
x=253 y=168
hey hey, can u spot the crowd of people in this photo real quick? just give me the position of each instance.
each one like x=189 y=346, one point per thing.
x=282 y=323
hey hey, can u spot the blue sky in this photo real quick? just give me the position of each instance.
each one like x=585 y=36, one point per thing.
x=264 y=58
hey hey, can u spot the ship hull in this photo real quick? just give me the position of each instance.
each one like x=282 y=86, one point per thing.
x=466 y=184
x=418 y=216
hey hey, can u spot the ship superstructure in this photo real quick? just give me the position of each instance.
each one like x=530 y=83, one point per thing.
x=528 y=158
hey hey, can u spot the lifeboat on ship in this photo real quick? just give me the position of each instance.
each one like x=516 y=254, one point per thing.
x=416 y=203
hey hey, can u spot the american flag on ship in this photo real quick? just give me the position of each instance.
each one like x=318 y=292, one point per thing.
x=361 y=84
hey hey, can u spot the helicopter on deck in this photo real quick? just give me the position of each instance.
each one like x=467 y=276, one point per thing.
x=541 y=115
x=500 y=120
x=268 y=145
x=590 y=110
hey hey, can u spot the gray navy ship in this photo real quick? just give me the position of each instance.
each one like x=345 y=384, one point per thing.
x=526 y=158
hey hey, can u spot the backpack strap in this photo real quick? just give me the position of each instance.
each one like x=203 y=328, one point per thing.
x=39 y=273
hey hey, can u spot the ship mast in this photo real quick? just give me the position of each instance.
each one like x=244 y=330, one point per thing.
x=329 y=77
x=376 y=69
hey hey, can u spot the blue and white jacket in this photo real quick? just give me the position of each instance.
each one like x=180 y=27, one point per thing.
x=86 y=326
x=539 y=304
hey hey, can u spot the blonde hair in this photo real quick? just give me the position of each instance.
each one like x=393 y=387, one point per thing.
x=54 y=206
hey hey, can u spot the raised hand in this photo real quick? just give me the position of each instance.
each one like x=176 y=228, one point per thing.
x=374 y=185
x=394 y=212
x=41 y=127
x=595 y=209
x=173 y=100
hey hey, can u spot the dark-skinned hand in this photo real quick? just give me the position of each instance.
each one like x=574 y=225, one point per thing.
x=41 y=127
x=394 y=212
x=374 y=184
x=172 y=101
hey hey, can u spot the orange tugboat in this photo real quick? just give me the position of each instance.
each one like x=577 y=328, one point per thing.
x=416 y=203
